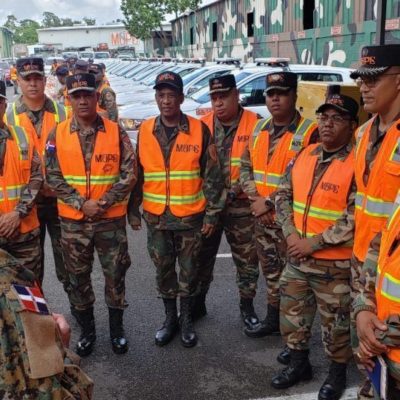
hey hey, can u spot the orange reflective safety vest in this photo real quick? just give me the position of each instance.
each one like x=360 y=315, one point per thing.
x=387 y=285
x=49 y=122
x=268 y=172
x=313 y=212
x=13 y=73
x=16 y=175
x=104 y=170
x=175 y=183
x=374 y=201
x=67 y=102
x=241 y=140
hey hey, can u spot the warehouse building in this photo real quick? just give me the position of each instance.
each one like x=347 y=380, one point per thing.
x=326 y=32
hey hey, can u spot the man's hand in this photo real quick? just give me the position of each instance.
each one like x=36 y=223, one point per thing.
x=46 y=191
x=267 y=219
x=9 y=224
x=63 y=326
x=136 y=226
x=300 y=249
x=207 y=230
x=292 y=239
x=92 y=209
x=367 y=322
x=257 y=205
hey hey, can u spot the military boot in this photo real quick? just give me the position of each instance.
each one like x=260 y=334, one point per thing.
x=87 y=339
x=284 y=356
x=335 y=383
x=170 y=326
x=118 y=341
x=269 y=326
x=188 y=334
x=299 y=369
x=199 y=308
x=248 y=314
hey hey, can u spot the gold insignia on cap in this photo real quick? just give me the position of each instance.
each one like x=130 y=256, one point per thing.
x=166 y=76
x=368 y=60
x=335 y=100
x=276 y=78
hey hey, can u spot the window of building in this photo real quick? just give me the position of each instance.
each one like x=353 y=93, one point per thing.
x=250 y=24
x=308 y=14
x=192 y=35
x=214 y=32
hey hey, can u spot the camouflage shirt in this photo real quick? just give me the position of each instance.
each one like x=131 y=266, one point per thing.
x=342 y=232
x=213 y=186
x=246 y=167
x=30 y=191
x=108 y=101
x=36 y=117
x=128 y=168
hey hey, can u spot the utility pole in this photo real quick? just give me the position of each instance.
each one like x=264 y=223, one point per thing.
x=381 y=22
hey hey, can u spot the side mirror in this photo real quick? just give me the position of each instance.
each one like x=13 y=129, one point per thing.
x=243 y=100
x=192 y=90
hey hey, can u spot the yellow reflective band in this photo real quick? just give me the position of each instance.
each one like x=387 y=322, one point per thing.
x=316 y=212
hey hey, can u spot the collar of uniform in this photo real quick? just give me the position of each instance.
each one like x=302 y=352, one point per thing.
x=21 y=107
x=183 y=125
x=235 y=124
x=98 y=125
x=292 y=127
x=340 y=155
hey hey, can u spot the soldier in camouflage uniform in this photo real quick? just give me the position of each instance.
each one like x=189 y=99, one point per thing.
x=107 y=102
x=37 y=114
x=377 y=164
x=19 y=238
x=180 y=185
x=261 y=166
x=90 y=164
x=230 y=125
x=315 y=204
x=26 y=371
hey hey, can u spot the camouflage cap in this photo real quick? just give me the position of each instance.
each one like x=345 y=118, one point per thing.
x=281 y=81
x=375 y=60
x=30 y=65
x=62 y=70
x=3 y=90
x=78 y=82
x=222 y=83
x=169 y=78
x=343 y=104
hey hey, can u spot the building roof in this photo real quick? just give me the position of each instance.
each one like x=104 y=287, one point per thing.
x=206 y=4
x=91 y=27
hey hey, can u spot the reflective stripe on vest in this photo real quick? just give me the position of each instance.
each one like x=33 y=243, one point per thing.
x=375 y=197
x=103 y=173
x=176 y=182
x=314 y=208
x=268 y=172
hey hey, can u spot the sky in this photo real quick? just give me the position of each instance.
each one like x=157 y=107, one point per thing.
x=102 y=10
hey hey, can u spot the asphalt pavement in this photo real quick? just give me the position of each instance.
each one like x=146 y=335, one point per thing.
x=225 y=364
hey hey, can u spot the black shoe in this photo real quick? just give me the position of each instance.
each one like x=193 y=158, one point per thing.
x=248 y=314
x=188 y=334
x=284 y=356
x=87 y=339
x=170 y=326
x=199 y=309
x=269 y=326
x=335 y=383
x=298 y=370
x=118 y=341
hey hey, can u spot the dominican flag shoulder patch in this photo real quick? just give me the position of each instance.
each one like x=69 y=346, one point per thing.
x=31 y=299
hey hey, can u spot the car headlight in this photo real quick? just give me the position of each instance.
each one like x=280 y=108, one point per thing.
x=130 y=124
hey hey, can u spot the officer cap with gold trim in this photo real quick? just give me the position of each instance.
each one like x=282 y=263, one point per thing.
x=342 y=103
x=169 y=79
x=282 y=80
x=30 y=65
x=86 y=82
x=222 y=83
x=375 y=60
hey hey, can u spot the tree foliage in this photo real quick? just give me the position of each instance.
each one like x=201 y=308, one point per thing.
x=11 y=23
x=26 y=32
x=50 y=20
x=89 y=21
x=144 y=16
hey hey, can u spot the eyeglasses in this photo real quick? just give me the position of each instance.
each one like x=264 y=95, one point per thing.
x=336 y=118
x=371 y=81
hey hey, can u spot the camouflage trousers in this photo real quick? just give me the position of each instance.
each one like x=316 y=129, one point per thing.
x=79 y=240
x=322 y=284
x=271 y=250
x=49 y=220
x=166 y=247
x=238 y=225
x=26 y=249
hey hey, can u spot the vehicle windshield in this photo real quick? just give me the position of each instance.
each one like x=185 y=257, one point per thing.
x=193 y=75
x=87 y=55
x=101 y=55
x=202 y=96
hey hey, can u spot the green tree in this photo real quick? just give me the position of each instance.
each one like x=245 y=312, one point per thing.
x=89 y=21
x=144 y=16
x=11 y=23
x=66 y=22
x=50 y=20
x=26 y=32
